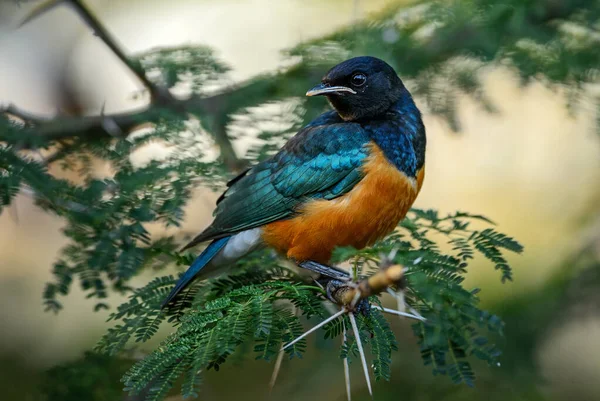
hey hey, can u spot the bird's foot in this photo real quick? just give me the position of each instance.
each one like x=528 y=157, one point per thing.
x=348 y=295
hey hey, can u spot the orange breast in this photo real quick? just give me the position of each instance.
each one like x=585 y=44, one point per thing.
x=370 y=211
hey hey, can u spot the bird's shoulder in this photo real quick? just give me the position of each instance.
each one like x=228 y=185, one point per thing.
x=327 y=135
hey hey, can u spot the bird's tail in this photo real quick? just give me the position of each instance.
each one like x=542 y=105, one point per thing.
x=198 y=264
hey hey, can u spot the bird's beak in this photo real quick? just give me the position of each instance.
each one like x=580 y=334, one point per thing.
x=324 y=89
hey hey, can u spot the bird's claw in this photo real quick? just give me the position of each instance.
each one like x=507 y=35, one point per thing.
x=348 y=295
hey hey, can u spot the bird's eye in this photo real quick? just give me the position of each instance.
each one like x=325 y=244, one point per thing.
x=359 y=79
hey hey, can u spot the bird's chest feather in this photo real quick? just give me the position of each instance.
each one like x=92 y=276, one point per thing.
x=371 y=210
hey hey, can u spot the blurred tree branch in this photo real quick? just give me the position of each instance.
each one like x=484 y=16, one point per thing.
x=92 y=127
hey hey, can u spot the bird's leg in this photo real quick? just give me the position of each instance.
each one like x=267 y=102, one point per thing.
x=331 y=287
x=276 y=369
x=325 y=270
x=330 y=278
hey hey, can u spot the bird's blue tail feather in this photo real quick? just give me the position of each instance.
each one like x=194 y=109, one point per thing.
x=198 y=264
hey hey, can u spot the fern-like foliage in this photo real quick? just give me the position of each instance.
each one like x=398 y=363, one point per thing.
x=262 y=302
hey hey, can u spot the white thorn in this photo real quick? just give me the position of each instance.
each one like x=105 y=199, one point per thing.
x=418 y=260
x=392 y=254
x=399 y=296
x=355 y=299
x=414 y=312
x=402 y=303
x=323 y=323
x=276 y=369
x=319 y=284
x=279 y=359
x=397 y=312
x=361 y=351
x=347 y=372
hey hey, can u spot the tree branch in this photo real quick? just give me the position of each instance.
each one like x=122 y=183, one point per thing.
x=123 y=123
x=158 y=95
x=213 y=111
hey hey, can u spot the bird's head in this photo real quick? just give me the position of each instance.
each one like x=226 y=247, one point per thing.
x=361 y=87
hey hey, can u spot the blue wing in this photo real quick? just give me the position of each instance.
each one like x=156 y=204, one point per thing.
x=322 y=161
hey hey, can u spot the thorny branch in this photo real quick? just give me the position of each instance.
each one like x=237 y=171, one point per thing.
x=349 y=294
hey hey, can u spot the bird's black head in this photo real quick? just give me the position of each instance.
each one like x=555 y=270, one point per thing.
x=362 y=87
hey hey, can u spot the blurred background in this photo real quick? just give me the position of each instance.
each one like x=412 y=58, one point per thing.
x=532 y=165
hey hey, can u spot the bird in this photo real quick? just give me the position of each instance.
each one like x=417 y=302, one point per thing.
x=345 y=179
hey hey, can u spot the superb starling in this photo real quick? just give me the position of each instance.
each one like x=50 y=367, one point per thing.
x=346 y=179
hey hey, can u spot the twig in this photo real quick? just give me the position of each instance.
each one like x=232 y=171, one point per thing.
x=216 y=107
x=276 y=369
x=158 y=95
x=92 y=127
x=279 y=359
x=41 y=8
